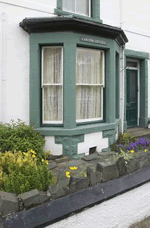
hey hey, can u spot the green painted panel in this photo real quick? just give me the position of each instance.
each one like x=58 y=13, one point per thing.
x=131 y=102
x=69 y=88
x=117 y=80
x=110 y=85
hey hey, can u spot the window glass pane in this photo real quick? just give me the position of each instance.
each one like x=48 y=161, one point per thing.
x=82 y=7
x=131 y=64
x=88 y=102
x=52 y=103
x=132 y=87
x=89 y=83
x=89 y=66
x=52 y=84
x=52 y=65
x=69 y=5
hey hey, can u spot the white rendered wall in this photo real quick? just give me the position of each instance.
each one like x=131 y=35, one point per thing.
x=119 y=212
x=55 y=149
x=14 y=55
x=92 y=140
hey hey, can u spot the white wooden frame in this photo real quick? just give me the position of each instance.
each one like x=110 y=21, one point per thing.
x=47 y=84
x=77 y=12
x=101 y=85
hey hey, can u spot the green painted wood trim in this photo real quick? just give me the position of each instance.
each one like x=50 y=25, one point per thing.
x=110 y=85
x=70 y=144
x=34 y=85
x=69 y=88
x=95 y=11
x=143 y=121
x=136 y=54
x=84 y=129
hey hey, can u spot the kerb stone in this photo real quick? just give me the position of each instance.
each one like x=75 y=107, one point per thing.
x=9 y=203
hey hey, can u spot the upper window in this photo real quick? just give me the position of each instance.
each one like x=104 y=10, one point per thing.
x=89 y=84
x=52 y=81
x=82 y=7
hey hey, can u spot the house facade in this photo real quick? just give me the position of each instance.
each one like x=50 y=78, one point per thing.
x=77 y=71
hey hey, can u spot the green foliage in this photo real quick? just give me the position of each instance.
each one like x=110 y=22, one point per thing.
x=126 y=155
x=125 y=139
x=22 y=172
x=17 y=136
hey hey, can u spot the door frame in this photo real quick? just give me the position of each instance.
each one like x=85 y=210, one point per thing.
x=138 y=84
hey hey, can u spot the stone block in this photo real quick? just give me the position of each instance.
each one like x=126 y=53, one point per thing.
x=61 y=188
x=94 y=177
x=63 y=159
x=52 y=165
x=9 y=203
x=33 y=197
x=58 y=191
x=121 y=166
x=78 y=183
x=132 y=165
x=91 y=157
x=108 y=169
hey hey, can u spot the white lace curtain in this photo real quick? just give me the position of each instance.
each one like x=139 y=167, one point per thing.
x=52 y=84
x=89 y=83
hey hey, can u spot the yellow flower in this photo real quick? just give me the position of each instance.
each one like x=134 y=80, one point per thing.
x=42 y=160
x=131 y=151
x=85 y=175
x=67 y=174
x=73 y=168
x=33 y=156
x=145 y=150
x=32 y=151
x=46 y=162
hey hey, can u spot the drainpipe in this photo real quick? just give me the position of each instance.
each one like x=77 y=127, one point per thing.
x=122 y=70
x=3 y=78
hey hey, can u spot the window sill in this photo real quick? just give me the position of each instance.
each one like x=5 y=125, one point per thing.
x=82 y=129
x=69 y=14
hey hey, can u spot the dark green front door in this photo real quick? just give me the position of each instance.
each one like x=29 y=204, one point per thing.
x=131 y=104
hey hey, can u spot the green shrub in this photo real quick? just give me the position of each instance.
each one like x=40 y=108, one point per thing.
x=17 y=136
x=125 y=139
x=22 y=172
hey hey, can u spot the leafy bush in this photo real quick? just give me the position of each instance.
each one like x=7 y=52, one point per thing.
x=22 y=172
x=17 y=136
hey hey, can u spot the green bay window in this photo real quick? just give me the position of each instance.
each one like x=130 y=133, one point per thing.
x=52 y=82
x=89 y=84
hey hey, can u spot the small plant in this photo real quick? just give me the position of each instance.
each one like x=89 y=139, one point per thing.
x=22 y=172
x=17 y=136
x=126 y=155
